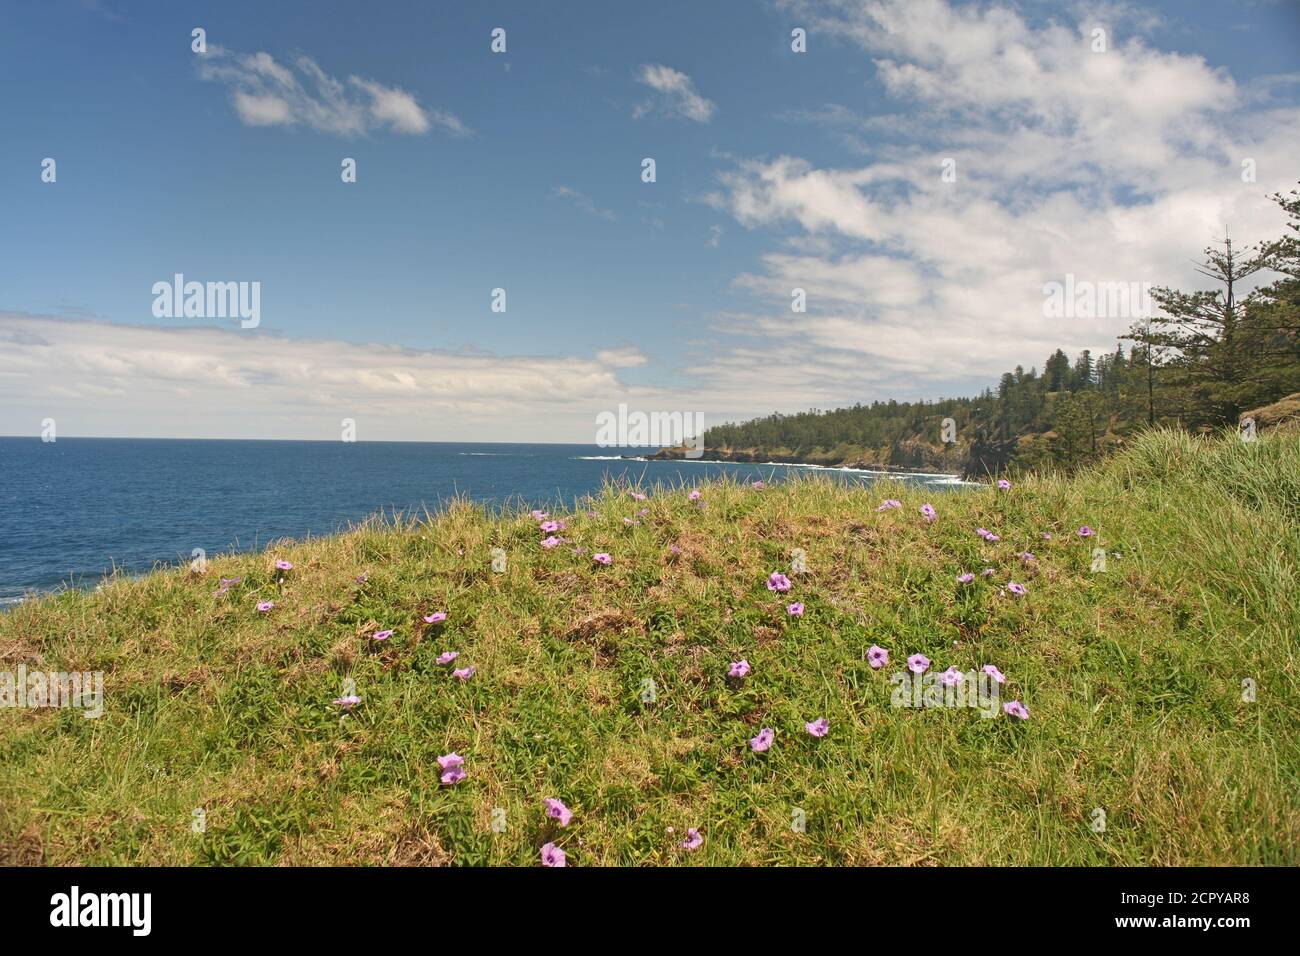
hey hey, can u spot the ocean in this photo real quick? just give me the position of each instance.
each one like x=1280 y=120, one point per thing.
x=73 y=509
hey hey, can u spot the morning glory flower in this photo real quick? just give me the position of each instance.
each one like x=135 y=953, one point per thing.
x=739 y=668
x=776 y=581
x=993 y=672
x=558 y=811
x=1014 y=708
x=918 y=663
x=552 y=855
x=877 y=657
x=763 y=740
x=693 y=839
x=819 y=727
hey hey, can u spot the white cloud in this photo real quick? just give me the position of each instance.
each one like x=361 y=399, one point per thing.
x=1116 y=166
x=102 y=378
x=583 y=202
x=267 y=93
x=678 y=97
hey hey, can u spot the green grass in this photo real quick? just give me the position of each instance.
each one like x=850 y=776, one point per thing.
x=1133 y=678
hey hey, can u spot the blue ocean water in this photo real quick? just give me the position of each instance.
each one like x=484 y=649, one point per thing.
x=72 y=509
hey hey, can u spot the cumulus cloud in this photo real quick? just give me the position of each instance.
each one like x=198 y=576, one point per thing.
x=266 y=92
x=1111 y=167
x=677 y=95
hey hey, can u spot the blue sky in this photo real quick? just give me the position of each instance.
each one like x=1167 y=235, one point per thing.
x=522 y=171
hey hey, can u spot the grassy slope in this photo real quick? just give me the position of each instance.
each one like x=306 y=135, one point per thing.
x=1132 y=678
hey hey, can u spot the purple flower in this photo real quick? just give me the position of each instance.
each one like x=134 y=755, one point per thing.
x=348 y=702
x=889 y=503
x=437 y=617
x=819 y=727
x=763 y=740
x=695 y=495
x=629 y=521
x=1013 y=708
x=928 y=511
x=987 y=573
x=951 y=677
x=463 y=673
x=918 y=663
x=452 y=766
x=877 y=657
x=993 y=672
x=361 y=578
x=540 y=516
x=693 y=839
x=1028 y=557
x=966 y=578
x=795 y=609
x=381 y=635
x=739 y=668
x=451 y=761
x=673 y=549
x=558 y=811
x=776 y=581
x=637 y=496
x=1004 y=484
x=226 y=583
x=264 y=606
x=552 y=855
x=1017 y=589
x=1047 y=536
x=549 y=526
x=602 y=558
x=550 y=542
x=446 y=657
x=1086 y=532
x=283 y=565
x=758 y=484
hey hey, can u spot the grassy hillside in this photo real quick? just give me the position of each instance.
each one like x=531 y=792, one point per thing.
x=1132 y=677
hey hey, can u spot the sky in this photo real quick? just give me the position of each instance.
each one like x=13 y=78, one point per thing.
x=921 y=170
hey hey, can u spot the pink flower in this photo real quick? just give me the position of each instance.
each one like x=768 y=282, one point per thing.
x=540 y=516
x=630 y=521
x=763 y=740
x=739 y=668
x=381 y=635
x=1017 y=589
x=966 y=578
x=987 y=573
x=1028 y=557
x=877 y=657
x=951 y=677
x=549 y=526
x=452 y=765
x=348 y=702
x=550 y=542
x=1013 y=708
x=637 y=496
x=758 y=484
x=819 y=727
x=446 y=657
x=673 y=549
x=776 y=581
x=558 y=811
x=602 y=558
x=1047 y=536
x=1086 y=532
x=695 y=495
x=283 y=565
x=993 y=672
x=795 y=609
x=264 y=606
x=693 y=839
x=918 y=663
x=437 y=617
x=928 y=512
x=890 y=503
x=552 y=855
x=463 y=673
x=1004 y=484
